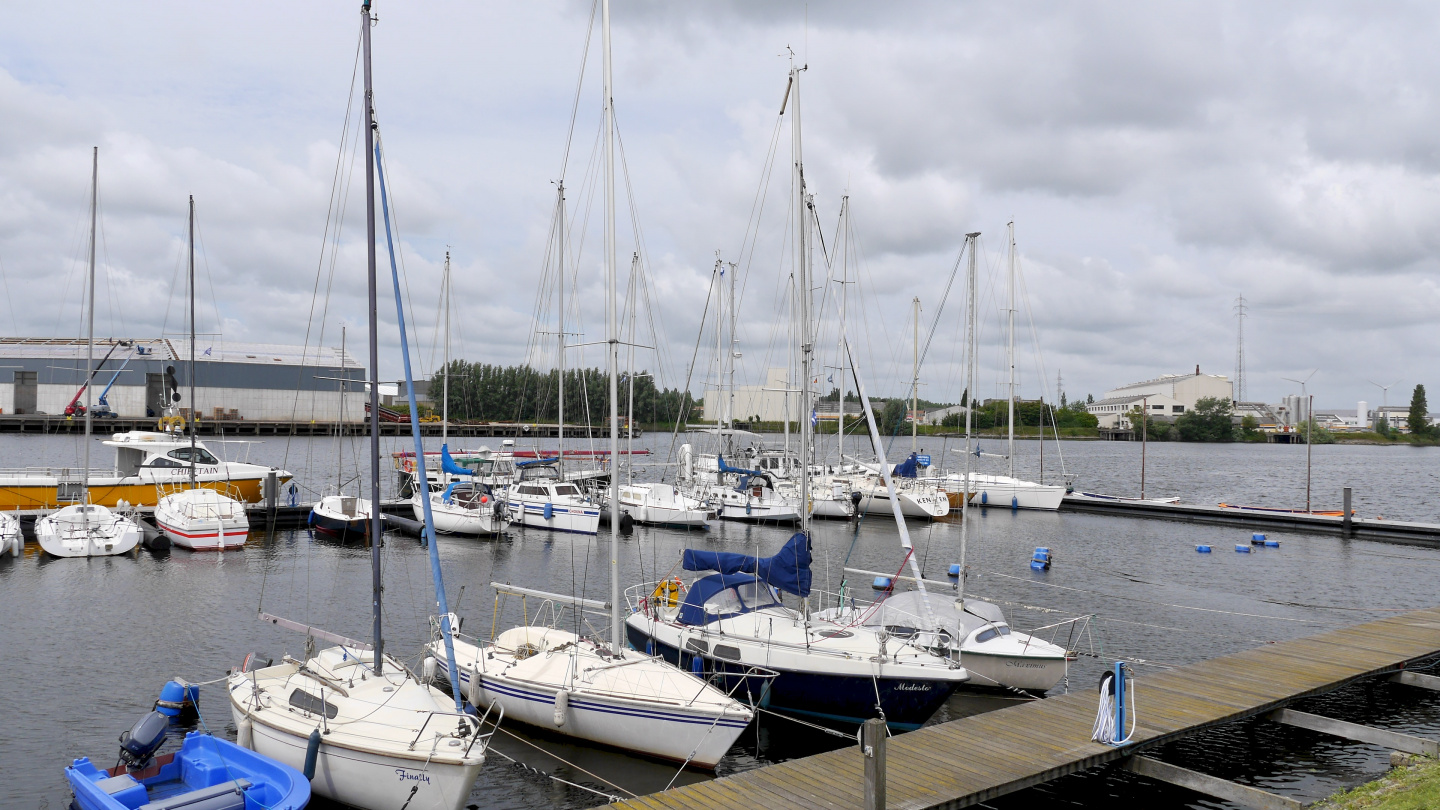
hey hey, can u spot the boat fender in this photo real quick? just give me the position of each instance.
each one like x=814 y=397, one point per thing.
x=562 y=706
x=549 y=511
x=428 y=668
x=1257 y=539
x=955 y=570
x=139 y=744
x=312 y=753
x=1240 y=548
x=881 y=583
x=1203 y=549
x=245 y=733
x=697 y=665
x=473 y=692
x=1014 y=503
x=984 y=498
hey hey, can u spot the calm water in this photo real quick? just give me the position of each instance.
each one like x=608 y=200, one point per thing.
x=87 y=643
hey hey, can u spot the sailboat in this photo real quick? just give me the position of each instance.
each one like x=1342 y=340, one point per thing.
x=540 y=495
x=86 y=529
x=592 y=689
x=459 y=504
x=341 y=516
x=12 y=541
x=200 y=518
x=1006 y=490
x=367 y=731
x=976 y=631
x=735 y=620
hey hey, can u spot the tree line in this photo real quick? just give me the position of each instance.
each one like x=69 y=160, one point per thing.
x=492 y=393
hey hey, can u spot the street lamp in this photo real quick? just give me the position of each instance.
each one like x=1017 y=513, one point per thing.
x=1309 y=428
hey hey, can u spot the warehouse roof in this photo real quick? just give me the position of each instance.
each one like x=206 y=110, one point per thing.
x=178 y=348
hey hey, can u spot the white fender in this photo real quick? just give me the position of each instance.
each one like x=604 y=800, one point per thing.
x=427 y=669
x=562 y=706
x=687 y=462
x=245 y=733
x=473 y=693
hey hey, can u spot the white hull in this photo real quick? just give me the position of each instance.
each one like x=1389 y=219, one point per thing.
x=1033 y=673
x=927 y=504
x=663 y=505
x=452 y=518
x=203 y=520
x=1013 y=493
x=64 y=534
x=12 y=542
x=563 y=517
x=769 y=507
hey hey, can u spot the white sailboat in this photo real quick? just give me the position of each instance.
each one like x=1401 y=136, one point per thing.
x=200 y=518
x=368 y=732
x=86 y=529
x=590 y=689
x=12 y=541
x=341 y=516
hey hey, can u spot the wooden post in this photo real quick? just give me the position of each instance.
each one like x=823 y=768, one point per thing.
x=1348 y=530
x=872 y=745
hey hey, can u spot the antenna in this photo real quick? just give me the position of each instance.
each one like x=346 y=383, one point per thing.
x=1240 y=309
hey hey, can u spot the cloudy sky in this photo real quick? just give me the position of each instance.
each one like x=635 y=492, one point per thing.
x=1158 y=161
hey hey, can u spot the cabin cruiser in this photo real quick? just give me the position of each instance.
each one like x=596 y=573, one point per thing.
x=143 y=460
x=539 y=497
x=730 y=622
x=663 y=505
x=202 y=519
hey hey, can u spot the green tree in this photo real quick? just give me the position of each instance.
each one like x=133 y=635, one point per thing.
x=1209 y=421
x=1250 y=428
x=1419 y=419
x=892 y=418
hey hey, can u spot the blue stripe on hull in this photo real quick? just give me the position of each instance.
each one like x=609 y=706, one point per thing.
x=908 y=703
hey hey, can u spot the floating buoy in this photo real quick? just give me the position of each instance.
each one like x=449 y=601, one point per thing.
x=881 y=583
x=1203 y=549
x=955 y=569
x=1272 y=544
x=1242 y=549
x=177 y=697
x=1041 y=560
x=562 y=706
x=1257 y=539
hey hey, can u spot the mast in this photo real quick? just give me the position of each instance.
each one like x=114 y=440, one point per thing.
x=970 y=314
x=915 y=384
x=721 y=400
x=844 y=291
x=193 y=409
x=734 y=341
x=445 y=382
x=560 y=441
x=90 y=334
x=340 y=420
x=802 y=304
x=1010 y=356
x=376 y=526
x=630 y=415
x=612 y=329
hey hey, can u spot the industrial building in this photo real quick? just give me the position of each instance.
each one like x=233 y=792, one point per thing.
x=256 y=381
x=1168 y=396
x=769 y=402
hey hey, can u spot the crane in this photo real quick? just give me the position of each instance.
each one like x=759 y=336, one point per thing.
x=75 y=408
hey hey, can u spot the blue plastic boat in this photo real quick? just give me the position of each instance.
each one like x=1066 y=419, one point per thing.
x=207 y=772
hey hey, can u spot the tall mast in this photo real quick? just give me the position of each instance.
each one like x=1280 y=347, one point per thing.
x=630 y=416
x=970 y=313
x=721 y=400
x=193 y=408
x=915 y=384
x=376 y=526
x=445 y=382
x=1010 y=355
x=340 y=419
x=730 y=355
x=802 y=302
x=844 y=290
x=560 y=333
x=612 y=329
x=90 y=335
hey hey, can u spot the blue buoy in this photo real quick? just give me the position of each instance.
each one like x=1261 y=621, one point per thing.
x=1242 y=549
x=1203 y=549
x=984 y=498
x=176 y=697
x=881 y=584
x=955 y=569
x=1272 y=544
x=1257 y=539
x=1041 y=559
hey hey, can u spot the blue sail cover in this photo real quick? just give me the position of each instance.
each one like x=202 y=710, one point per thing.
x=447 y=464
x=788 y=569
x=908 y=468
x=745 y=475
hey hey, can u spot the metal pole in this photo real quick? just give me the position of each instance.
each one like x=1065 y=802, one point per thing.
x=445 y=381
x=90 y=336
x=1144 y=431
x=612 y=328
x=1347 y=520
x=915 y=384
x=376 y=524
x=1010 y=354
x=560 y=389
x=630 y=363
x=193 y=409
x=873 y=746
x=844 y=280
x=970 y=314
x=1309 y=435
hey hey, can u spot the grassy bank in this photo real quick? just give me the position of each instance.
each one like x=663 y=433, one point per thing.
x=858 y=428
x=1371 y=437
x=1410 y=787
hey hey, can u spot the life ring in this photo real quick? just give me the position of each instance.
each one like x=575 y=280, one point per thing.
x=667 y=593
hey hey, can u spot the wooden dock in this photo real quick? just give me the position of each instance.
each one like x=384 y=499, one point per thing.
x=1365 y=528
x=967 y=761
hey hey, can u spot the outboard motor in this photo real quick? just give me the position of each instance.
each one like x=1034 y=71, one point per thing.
x=138 y=745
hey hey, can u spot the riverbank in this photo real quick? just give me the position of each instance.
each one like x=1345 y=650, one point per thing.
x=1411 y=786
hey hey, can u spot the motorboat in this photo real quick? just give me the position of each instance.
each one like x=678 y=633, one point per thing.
x=663 y=505
x=341 y=516
x=206 y=772
x=87 y=530
x=993 y=654
x=539 y=497
x=12 y=541
x=462 y=507
x=383 y=740
x=568 y=684
x=203 y=519
x=734 y=623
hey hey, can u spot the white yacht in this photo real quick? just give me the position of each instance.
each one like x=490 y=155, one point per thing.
x=203 y=520
x=739 y=493
x=462 y=507
x=539 y=497
x=341 y=516
x=1003 y=490
x=86 y=530
x=12 y=541
x=663 y=505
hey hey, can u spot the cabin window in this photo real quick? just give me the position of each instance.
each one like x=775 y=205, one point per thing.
x=163 y=462
x=755 y=595
x=727 y=652
x=202 y=456
x=567 y=489
x=697 y=646
x=985 y=635
x=724 y=602
x=306 y=702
